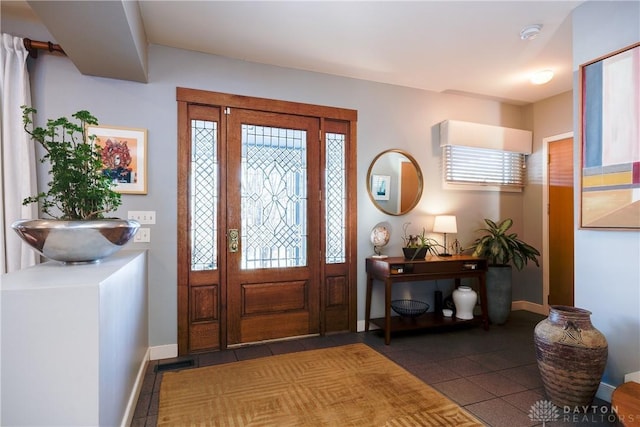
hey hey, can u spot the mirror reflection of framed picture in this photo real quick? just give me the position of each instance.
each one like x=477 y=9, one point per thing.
x=124 y=152
x=380 y=186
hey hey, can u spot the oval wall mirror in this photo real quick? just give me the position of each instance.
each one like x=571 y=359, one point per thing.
x=394 y=182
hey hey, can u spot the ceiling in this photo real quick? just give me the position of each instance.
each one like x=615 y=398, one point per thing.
x=465 y=47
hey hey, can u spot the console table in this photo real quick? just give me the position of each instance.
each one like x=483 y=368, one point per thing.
x=397 y=269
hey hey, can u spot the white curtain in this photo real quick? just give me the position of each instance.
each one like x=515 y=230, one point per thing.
x=17 y=158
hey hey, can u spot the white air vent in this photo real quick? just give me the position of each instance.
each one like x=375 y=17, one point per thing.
x=453 y=132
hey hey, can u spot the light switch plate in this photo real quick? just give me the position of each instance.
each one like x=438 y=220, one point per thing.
x=143 y=217
x=143 y=235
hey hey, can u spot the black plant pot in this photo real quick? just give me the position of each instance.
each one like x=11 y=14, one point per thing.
x=499 y=293
x=414 y=253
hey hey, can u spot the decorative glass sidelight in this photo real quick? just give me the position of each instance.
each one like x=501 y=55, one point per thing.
x=336 y=198
x=204 y=195
x=273 y=197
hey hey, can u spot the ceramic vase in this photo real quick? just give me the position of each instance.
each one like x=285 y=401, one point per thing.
x=571 y=355
x=464 y=299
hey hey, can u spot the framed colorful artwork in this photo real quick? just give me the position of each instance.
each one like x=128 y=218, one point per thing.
x=610 y=174
x=124 y=155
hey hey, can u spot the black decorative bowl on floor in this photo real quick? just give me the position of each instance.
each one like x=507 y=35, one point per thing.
x=409 y=307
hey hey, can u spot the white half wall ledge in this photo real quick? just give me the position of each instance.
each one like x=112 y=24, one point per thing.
x=163 y=352
x=88 y=319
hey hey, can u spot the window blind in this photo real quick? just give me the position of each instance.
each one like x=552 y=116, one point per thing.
x=481 y=166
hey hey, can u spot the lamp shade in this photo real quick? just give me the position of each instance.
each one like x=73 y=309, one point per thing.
x=445 y=224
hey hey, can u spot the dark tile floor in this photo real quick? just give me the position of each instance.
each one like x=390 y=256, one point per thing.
x=493 y=374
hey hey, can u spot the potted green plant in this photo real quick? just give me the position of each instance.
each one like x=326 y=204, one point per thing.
x=78 y=197
x=417 y=246
x=502 y=250
x=78 y=187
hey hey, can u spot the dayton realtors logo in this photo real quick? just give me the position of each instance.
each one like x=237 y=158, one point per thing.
x=545 y=411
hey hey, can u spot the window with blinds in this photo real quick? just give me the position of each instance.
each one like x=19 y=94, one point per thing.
x=493 y=169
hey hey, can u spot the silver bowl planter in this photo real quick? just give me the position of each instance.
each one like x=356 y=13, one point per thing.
x=82 y=241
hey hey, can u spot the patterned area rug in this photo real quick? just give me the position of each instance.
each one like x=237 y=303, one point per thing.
x=350 y=385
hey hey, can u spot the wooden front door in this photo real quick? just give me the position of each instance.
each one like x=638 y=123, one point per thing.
x=266 y=220
x=561 y=222
x=273 y=228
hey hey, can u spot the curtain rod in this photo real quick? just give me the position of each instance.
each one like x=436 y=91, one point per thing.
x=33 y=46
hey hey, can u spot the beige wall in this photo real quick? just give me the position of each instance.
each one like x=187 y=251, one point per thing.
x=549 y=117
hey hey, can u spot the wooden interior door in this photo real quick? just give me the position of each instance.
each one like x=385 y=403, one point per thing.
x=561 y=245
x=273 y=228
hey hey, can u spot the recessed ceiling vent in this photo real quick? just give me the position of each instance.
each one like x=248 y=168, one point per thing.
x=530 y=32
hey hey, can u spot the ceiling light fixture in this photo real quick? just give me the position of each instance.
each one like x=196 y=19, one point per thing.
x=530 y=32
x=542 y=77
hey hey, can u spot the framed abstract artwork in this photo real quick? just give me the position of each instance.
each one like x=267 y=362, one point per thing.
x=610 y=157
x=124 y=155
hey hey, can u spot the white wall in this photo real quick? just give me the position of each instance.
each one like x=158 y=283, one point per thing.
x=607 y=263
x=388 y=117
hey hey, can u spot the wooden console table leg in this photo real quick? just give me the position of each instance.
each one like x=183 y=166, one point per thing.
x=367 y=310
x=387 y=312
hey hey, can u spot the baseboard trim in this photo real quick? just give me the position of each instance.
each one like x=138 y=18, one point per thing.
x=135 y=393
x=605 y=391
x=530 y=306
x=163 y=351
x=360 y=326
x=632 y=376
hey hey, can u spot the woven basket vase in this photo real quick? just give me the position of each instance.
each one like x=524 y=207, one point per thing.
x=571 y=356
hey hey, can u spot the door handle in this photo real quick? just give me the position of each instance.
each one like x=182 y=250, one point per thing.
x=233 y=239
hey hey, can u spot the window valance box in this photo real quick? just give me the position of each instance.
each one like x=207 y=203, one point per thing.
x=454 y=132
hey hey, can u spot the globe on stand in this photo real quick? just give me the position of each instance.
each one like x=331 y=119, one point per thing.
x=379 y=238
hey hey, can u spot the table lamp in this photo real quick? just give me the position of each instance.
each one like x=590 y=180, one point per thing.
x=445 y=224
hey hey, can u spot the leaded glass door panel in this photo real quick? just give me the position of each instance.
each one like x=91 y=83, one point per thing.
x=272 y=211
x=200 y=288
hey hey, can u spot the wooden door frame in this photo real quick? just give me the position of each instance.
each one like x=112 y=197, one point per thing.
x=185 y=97
x=545 y=214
